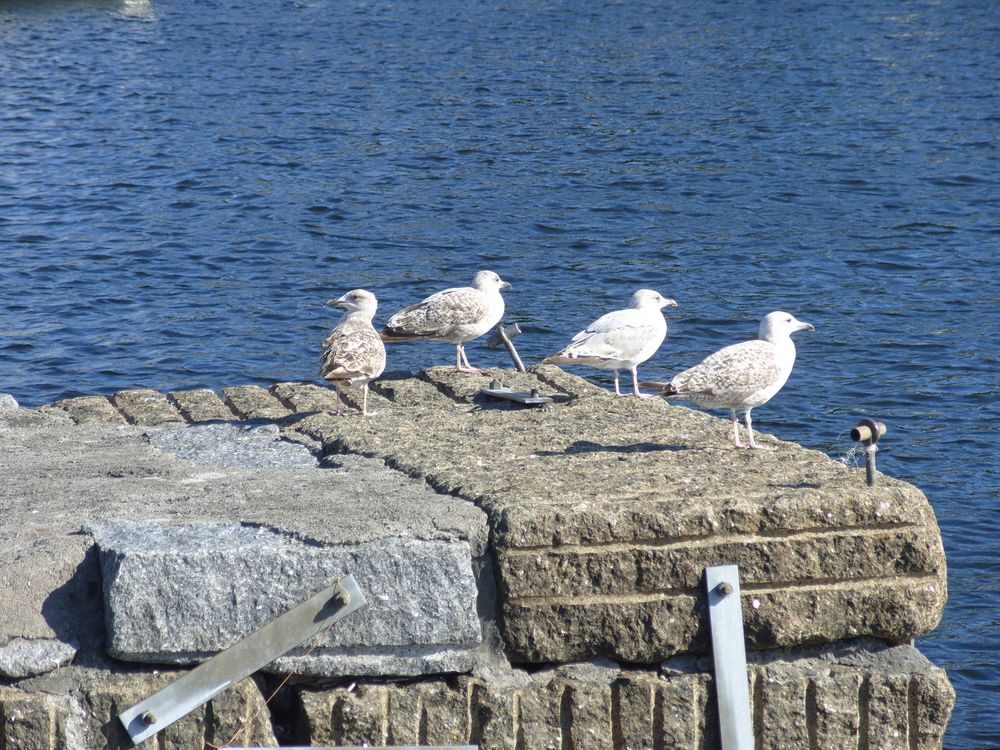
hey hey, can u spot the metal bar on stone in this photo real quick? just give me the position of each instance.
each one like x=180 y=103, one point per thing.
x=503 y=335
x=242 y=659
x=868 y=432
x=732 y=686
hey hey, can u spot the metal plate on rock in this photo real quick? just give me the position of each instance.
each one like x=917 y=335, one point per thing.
x=531 y=398
x=242 y=659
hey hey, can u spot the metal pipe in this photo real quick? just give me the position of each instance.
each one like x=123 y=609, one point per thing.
x=503 y=335
x=868 y=432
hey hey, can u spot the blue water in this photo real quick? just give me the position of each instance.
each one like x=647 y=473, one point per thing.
x=183 y=184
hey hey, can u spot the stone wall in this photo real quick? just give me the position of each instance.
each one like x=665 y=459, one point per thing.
x=535 y=574
x=862 y=694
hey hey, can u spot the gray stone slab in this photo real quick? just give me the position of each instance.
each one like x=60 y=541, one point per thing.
x=177 y=594
x=58 y=475
x=235 y=446
x=21 y=657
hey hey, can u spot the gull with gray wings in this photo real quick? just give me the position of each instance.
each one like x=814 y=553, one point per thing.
x=620 y=340
x=743 y=376
x=454 y=315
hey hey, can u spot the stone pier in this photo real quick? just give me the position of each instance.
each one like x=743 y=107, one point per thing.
x=534 y=574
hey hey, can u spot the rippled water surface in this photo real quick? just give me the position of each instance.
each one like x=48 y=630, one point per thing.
x=183 y=184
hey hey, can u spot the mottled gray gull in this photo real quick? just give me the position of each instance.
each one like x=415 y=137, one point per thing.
x=620 y=340
x=742 y=376
x=353 y=353
x=453 y=315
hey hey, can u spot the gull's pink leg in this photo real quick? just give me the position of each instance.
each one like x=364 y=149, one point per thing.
x=635 y=384
x=467 y=367
x=617 y=390
x=736 y=429
x=750 y=429
x=340 y=400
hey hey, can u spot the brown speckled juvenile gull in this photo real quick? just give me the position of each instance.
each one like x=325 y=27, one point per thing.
x=453 y=315
x=620 y=340
x=353 y=353
x=742 y=376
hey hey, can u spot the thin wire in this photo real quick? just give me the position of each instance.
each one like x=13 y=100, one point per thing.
x=264 y=705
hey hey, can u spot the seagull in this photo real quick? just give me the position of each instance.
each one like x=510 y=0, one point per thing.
x=353 y=352
x=620 y=340
x=453 y=315
x=742 y=376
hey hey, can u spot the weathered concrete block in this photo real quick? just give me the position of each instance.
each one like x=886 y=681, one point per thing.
x=83 y=714
x=361 y=716
x=177 y=594
x=786 y=709
x=633 y=697
x=802 y=698
x=458 y=386
x=29 y=721
x=236 y=715
x=605 y=511
x=679 y=710
x=836 y=696
x=492 y=709
x=90 y=409
x=146 y=407
x=201 y=405
x=887 y=700
x=563 y=382
x=8 y=403
x=254 y=402
x=591 y=715
x=403 y=390
x=305 y=397
x=405 y=713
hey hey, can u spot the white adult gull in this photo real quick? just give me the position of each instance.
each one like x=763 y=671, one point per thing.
x=743 y=376
x=620 y=340
x=353 y=353
x=453 y=315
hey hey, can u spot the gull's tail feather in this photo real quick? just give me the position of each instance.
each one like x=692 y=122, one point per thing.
x=396 y=335
x=665 y=389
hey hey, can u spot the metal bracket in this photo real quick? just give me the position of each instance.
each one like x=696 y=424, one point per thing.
x=503 y=335
x=868 y=432
x=729 y=654
x=242 y=659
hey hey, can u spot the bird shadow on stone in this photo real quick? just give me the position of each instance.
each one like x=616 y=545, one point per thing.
x=587 y=446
